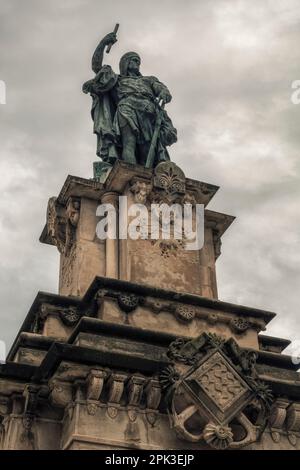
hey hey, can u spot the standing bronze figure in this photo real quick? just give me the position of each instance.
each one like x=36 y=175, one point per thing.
x=128 y=110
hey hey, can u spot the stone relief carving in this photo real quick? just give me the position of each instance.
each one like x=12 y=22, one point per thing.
x=70 y=316
x=187 y=312
x=61 y=393
x=211 y=383
x=277 y=418
x=167 y=187
x=62 y=222
x=239 y=325
x=170 y=178
x=127 y=301
x=217 y=436
x=141 y=191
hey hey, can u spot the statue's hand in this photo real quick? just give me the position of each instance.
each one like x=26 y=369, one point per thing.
x=110 y=38
x=164 y=97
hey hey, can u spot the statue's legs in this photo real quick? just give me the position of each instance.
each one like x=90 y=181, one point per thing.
x=129 y=144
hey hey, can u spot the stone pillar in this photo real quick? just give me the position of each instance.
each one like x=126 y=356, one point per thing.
x=111 y=245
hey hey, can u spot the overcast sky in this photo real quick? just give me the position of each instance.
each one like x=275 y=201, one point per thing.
x=229 y=65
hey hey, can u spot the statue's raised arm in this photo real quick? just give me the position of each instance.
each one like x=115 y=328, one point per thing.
x=97 y=59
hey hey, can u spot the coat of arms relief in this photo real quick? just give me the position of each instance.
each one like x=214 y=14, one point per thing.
x=213 y=392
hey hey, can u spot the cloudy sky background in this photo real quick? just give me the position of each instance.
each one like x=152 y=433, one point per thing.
x=229 y=65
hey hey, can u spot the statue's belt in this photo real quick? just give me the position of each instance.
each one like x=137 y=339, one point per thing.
x=137 y=95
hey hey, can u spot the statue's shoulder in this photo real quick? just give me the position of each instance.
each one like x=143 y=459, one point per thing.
x=151 y=78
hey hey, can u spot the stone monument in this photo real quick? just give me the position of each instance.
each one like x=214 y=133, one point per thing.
x=136 y=351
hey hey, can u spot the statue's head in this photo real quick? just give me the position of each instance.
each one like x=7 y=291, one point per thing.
x=130 y=64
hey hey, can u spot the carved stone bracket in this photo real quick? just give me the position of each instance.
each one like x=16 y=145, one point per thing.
x=293 y=418
x=153 y=394
x=135 y=390
x=62 y=222
x=116 y=384
x=4 y=406
x=278 y=414
x=153 y=398
x=61 y=392
x=95 y=382
x=217 y=243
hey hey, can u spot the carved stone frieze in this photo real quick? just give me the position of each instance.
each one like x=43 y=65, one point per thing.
x=187 y=312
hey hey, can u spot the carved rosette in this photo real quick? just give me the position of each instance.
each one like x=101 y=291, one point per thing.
x=217 y=436
x=239 y=325
x=128 y=302
x=185 y=313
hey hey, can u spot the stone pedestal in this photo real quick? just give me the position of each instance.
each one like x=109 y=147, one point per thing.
x=136 y=351
x=167 y=264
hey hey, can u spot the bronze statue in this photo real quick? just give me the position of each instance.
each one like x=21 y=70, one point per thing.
x=128 y=110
